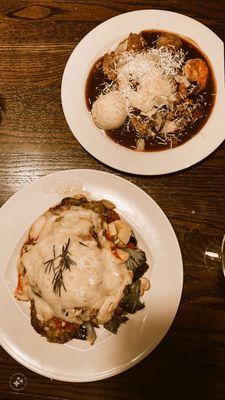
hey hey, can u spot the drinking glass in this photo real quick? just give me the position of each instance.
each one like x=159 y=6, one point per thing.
x=215 y=258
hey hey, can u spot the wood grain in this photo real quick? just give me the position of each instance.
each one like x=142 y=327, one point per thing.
x=36 y=40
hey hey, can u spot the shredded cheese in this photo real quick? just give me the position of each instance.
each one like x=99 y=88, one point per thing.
x=146 y=79
x=156 y=92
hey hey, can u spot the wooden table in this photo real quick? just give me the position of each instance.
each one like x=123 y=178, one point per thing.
x=36 y=40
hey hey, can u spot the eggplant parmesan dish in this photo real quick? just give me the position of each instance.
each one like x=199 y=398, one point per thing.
x=154 y=91
x=81 y=268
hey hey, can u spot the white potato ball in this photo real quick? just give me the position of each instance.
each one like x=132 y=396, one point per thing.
x=109 y=111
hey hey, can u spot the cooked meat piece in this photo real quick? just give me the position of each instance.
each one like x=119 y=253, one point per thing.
x=55 y=330
x=189 y=111
x=186 y=91
x=135 y=42
x=168 y=40
x=141 y=126
x=183 y=108
x=108 y=66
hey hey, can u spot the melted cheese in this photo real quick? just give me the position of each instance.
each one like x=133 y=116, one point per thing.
x=94 y=284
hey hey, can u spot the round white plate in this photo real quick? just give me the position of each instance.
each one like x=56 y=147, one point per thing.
x=94 y=140
x=77 y=361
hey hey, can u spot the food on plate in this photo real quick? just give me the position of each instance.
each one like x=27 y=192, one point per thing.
x=155 y=90
x=80 y=268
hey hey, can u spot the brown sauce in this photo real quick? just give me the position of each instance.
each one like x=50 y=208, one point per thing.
x=96 y=81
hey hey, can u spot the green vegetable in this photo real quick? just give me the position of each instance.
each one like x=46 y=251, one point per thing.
x=91 y=334
x=95 y=206
x=137 y=258
x=73 y=201
x=139 y=272
x=136 y=262
x=67 y=203
x=115 y=322
x=131 y=300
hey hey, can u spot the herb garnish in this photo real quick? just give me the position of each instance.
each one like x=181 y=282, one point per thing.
x=64 y=263
x=82 y=244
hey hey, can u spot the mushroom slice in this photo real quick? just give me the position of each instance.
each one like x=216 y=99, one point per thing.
x=145 y=285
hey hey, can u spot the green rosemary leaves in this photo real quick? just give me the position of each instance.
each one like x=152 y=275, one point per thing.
x=58 y=264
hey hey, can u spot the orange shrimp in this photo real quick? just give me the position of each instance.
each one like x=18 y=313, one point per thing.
x=196 y=70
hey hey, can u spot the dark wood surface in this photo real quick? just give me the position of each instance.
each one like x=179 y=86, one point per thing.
x=36 y=40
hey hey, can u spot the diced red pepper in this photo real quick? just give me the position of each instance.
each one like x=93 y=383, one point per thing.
x=116 y=254
x=108 y=236
x=19 y=288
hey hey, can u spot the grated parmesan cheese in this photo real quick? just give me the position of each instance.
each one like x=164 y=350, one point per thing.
x=146 y=79
x=156 y=92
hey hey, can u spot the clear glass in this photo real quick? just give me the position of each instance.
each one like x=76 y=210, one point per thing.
x=215 y=259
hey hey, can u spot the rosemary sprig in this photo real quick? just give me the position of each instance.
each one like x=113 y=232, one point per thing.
x=82 y=244
x=50 y=263
x=65 y=262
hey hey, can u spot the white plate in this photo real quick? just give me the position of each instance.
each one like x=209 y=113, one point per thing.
x=94 y=140
x=111 y=354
